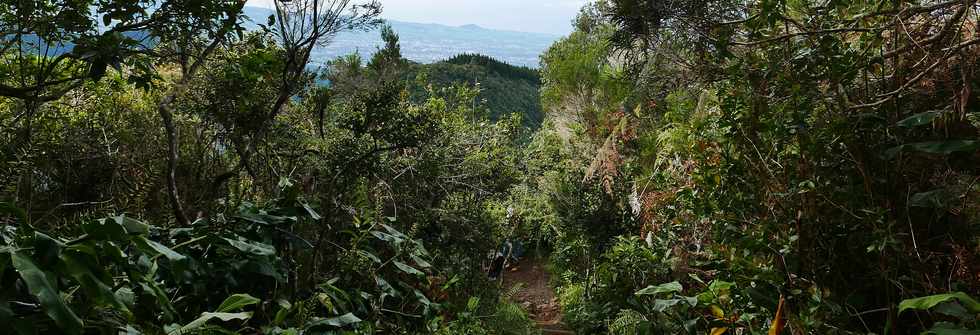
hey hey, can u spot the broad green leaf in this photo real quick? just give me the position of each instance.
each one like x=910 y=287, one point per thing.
x=250 y=247
x=41 y=287
x=387 y=237
x=672 y=287
x=394 y=231
x=337 y=321
x=263 y=218
x=309 y=210
x=236 y=302
x=408 y=269
x=152 y=247
x=132 y=226
x=105 y=229
x=926 y=303
x=7 y=234
x=385 y=287
x=129 y=331
x=80 y=267
x=370 y=256
x=326 y=301
x=953 y=310
x=422 y=298
x=126 y=296
x=718 y=286
x=207 y=317
x=692 y=301
x=451 y=282
x=285 y=309
x=938 y=148
x=920 y=119
x=254 y=218
x=421 y=262
x=661 y=305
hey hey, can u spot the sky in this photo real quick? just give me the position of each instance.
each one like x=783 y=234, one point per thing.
x=540 y=16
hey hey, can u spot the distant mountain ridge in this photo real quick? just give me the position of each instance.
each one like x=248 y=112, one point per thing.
x=430 y=43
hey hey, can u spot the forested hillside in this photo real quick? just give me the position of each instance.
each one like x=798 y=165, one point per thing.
x=504 y=89
x=674 y=167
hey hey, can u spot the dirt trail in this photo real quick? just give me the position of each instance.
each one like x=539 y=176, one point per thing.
x=536 y=295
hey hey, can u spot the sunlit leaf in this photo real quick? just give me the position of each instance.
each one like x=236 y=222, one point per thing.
x=207 y=317
x=251 y=247
x=309 y=210
x=672 y=287
x=152 y=247
x=661 y=305
x=717 y=311
x=237 y=301
x=132 y=226
x=338 y=321
x=926 y=303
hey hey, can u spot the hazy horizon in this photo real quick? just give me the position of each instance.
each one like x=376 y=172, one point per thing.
x=545 y=16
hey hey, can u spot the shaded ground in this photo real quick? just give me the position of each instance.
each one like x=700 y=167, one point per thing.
x=536 y=295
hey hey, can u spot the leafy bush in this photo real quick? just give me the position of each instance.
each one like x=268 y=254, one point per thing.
x=119 y=275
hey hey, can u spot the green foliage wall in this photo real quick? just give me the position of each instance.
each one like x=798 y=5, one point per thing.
x=773 y=151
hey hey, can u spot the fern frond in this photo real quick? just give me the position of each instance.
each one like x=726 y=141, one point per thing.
x=627 y=323
x=512 y=291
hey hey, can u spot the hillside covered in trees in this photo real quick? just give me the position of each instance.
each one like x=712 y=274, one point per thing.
x=504 y=89
x=674 y=167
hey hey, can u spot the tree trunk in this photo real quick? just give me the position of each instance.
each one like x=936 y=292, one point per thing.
x=166 y=113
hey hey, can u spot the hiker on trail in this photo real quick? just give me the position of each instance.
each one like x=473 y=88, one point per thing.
x=507 y=256
x=509 y=253
x=496 y=265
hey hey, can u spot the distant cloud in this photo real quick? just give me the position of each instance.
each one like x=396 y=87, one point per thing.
x=545 y=16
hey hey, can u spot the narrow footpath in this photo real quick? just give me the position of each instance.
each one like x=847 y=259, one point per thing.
x=536 y=295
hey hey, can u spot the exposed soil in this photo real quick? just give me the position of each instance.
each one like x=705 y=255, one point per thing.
x=535 y=294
